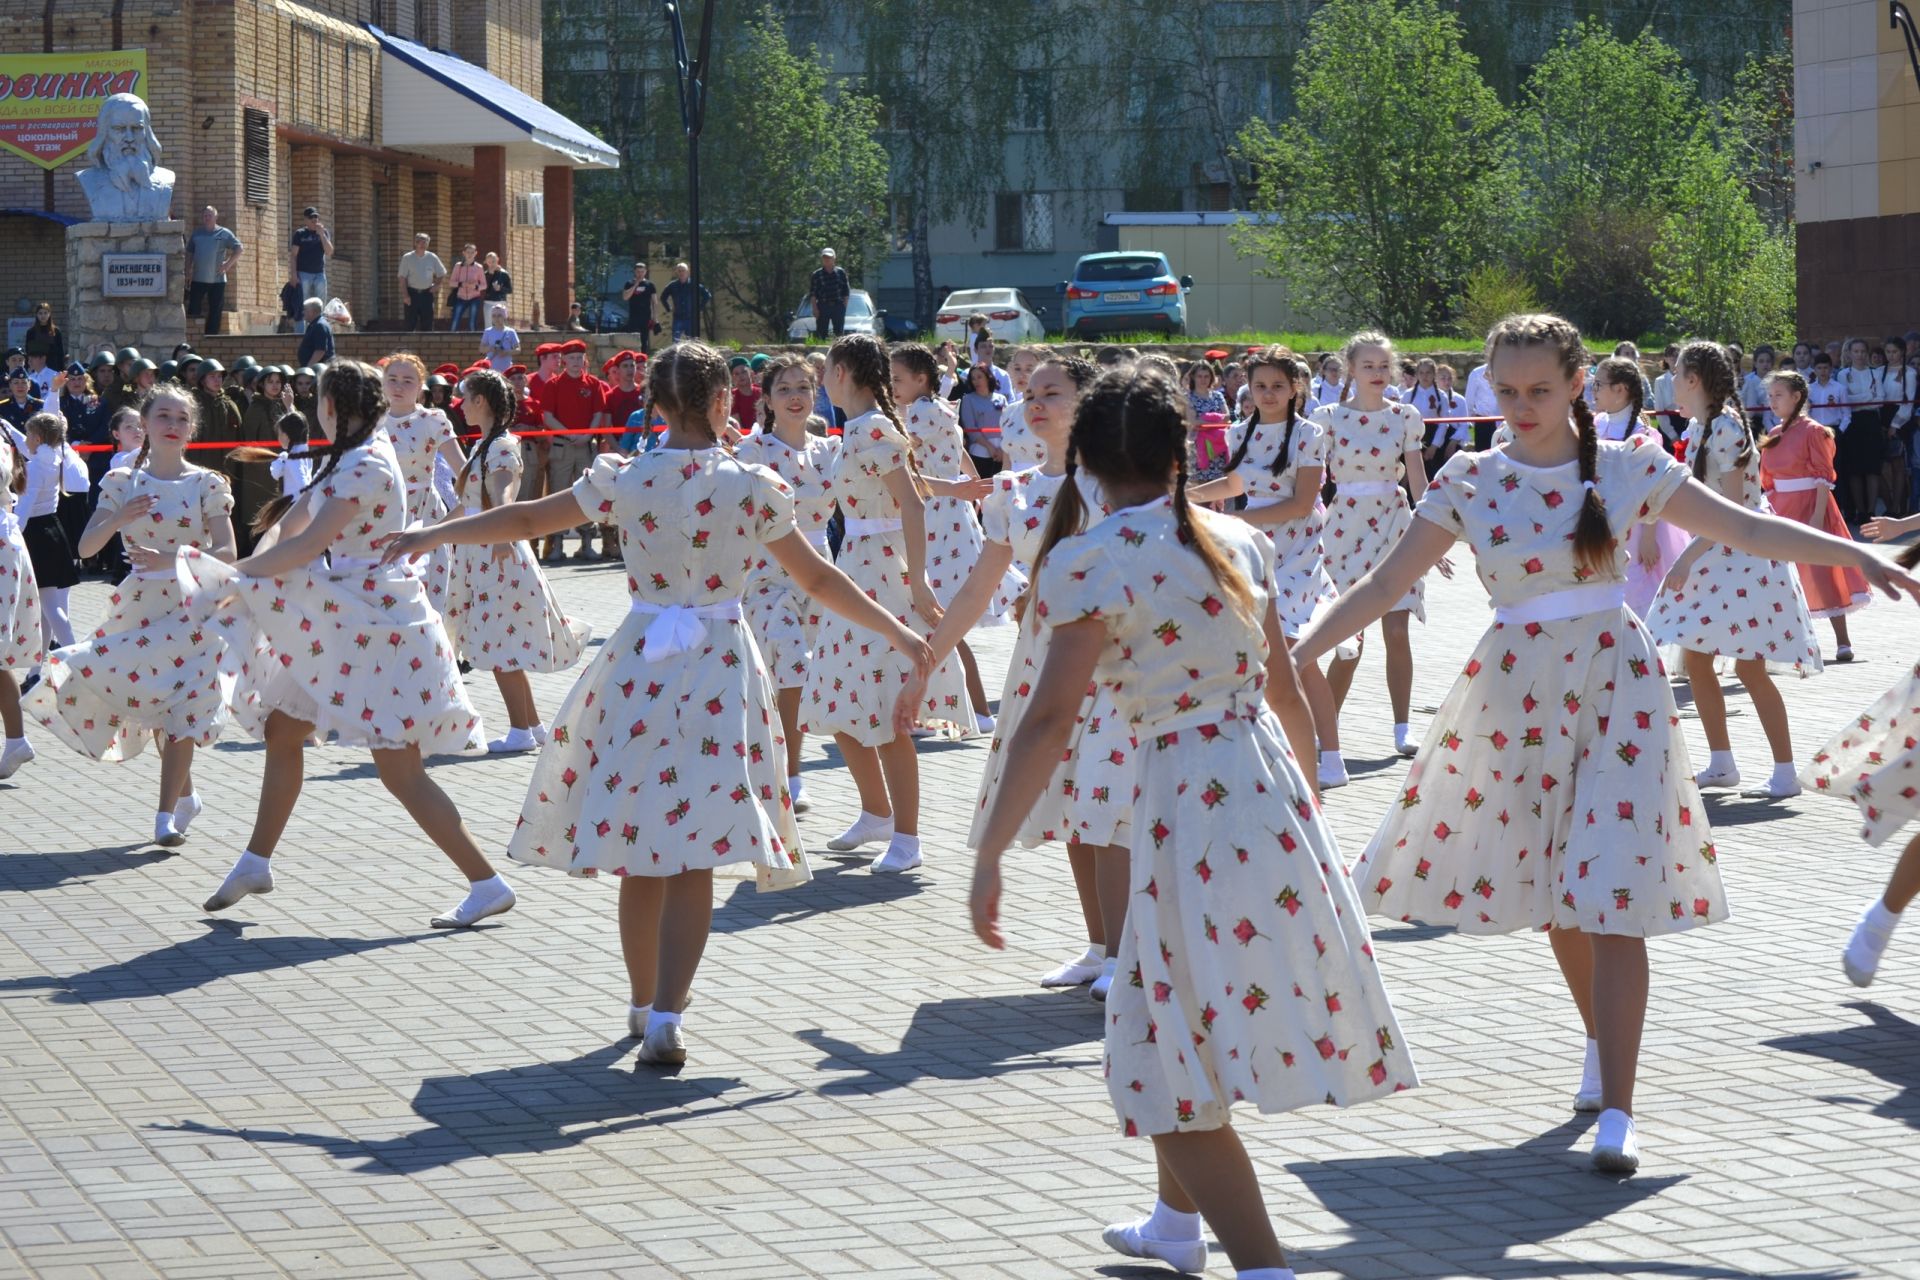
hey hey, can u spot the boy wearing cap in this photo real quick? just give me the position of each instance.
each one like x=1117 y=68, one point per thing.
x=20 y=403
x=573 y=401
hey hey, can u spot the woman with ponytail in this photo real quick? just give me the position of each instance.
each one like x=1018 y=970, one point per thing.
x=502 y=614
x=341 y=647
x=783 y=619
x=1720 y=603
x=148 y=671
x=21 y=644
x=1554 y=791
x=1252 y=978
x=1797 y=472
x=852 y=682
x=666 y=764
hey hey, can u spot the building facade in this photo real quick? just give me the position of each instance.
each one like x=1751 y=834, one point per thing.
x=390 y=117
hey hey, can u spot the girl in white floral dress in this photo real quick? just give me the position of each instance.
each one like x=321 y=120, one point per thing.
x=430 y=455
x=1554 y=791
x=1246 y=970
x=1024 y=450
x=1277 y=462
x=20 y=642
x=1720 y=602
x=502 y=615
x=1089 y=800
x=147 y=670
x=666 y=765
x=852 y=683
x=783 y=619
x=341 y=647
x=1369 y=439
x=953 y=528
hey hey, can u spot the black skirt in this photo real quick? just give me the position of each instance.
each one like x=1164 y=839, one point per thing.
x=1863 y=445
x=51 y=553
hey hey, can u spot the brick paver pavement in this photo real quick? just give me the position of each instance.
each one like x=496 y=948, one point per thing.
x=316 y=1084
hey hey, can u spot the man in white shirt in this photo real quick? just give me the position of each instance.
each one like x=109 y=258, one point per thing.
x=420 y=272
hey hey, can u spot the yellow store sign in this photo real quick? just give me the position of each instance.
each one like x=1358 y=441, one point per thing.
x=49 y=102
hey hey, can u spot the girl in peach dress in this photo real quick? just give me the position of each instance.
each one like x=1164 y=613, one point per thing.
x=1796 y=470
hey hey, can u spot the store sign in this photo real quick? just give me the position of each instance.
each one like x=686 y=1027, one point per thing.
x=133 y=275
x=49 y=102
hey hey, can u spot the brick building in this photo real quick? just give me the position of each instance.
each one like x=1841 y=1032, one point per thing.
x=390 y=116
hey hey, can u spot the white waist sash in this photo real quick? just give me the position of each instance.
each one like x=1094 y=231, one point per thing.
x=818 y=537
x=1366 y=488
x=858 y=528
x=676 y=628
x=1595 y=597
x=1800 y=484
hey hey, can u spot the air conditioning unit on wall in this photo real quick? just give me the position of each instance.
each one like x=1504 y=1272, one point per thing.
x=530 y=210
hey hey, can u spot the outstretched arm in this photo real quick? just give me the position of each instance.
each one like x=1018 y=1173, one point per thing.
x=1707 y=515
x=971 y=601
x=1420 y=548
x=512 y=522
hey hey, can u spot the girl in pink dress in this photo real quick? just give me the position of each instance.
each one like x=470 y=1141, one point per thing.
x=1796 y=469
x=666 y=765
x=1246 y=973
x=1554 y=791
x=148 y=671
x=20 y=642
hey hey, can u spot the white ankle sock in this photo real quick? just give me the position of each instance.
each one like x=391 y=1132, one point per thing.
x=904 y=843
x=1330 y=760
x=661 y=1018
x=1094 y=954
x=251 y=863
x=15 y=742
x=486 y=890
x=1721 y=762
x=1167 y=1223
x=639 y=1011
x=186 y=809
x=1879 y=918
x=163 y=825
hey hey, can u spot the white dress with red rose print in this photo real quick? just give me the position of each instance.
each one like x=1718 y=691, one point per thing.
x=1733 y=604
x=1089 y=800
x=148 y=665
x=1300 y=568
x=784 y=619
x=855 y=676
x=417 y=438
x=1246 y=972
x=674 y=762
x=1369 y=511
x=1554 y=789
x=502 y=614
x=1024 y=449
x=953 y=529
x=20 y=636
x=1875 y=761
x=349 y=645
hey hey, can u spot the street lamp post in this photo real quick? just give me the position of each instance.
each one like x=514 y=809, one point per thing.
x=693 y=117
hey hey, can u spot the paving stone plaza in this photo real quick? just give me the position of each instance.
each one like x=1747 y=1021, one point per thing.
x=318 y=1085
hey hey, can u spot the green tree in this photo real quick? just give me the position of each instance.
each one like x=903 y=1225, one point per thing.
x=1394 y=176
x=1607 y=128
x=1721 y=273
x=1757 y=128
x=806 y=171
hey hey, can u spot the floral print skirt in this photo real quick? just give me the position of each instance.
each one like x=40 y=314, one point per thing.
x=1875 y=761
x=503 y=616
x=20 y=637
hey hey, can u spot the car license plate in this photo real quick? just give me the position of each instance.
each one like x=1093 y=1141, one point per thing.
x=1120 y=297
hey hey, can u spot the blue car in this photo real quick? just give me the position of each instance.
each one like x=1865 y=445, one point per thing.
x=1126 y=292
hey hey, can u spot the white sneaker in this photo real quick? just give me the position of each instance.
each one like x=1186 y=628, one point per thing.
x=1101 y=984
x=865 y=830
x=1711 y=777
x=165 y=834
x=1186 y=1256
x=185 y=810
x=1861 y=959
x=896 y=858
x=1616 y=1147
x=18 y=752
x=797 y=791
x=494 y=900
x=1075 y=972
x=516 y=740
x=1333 y=774
x=664 y=1046
x=1587 y=1097
x=238 y=885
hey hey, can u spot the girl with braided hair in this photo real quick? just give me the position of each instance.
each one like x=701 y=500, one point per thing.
x=1246 y=973
x=852 y=683
x=1796 y=468
x=502 y=614
x=783 y=619
x=1554 y=791
x=21 y=644
x=1716 y=601
x=1619 y=398
x=666 y=764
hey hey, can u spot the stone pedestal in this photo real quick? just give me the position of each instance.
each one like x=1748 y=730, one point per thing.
x=94 y=320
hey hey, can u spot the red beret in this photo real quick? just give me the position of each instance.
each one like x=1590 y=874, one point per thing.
x=546 y=349
x=619 y=357
x=569 y=348
x=448 y=370
x=1218 y=353
x=513 y=369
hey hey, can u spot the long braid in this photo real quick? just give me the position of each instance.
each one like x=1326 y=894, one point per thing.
x=492 y=390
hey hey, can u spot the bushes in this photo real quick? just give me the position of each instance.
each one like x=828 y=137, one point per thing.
x=1493 y=293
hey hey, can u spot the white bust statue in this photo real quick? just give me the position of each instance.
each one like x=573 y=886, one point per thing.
x=120 y=177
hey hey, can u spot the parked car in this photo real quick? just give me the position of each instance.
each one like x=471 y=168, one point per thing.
x=1010 y=317
x=1126 y=292
x=861 y=317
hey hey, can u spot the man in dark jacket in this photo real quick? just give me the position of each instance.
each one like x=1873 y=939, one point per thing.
x=828 y=291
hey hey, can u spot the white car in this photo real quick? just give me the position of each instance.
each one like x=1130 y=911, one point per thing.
x=861 y=317
x=1010 y=318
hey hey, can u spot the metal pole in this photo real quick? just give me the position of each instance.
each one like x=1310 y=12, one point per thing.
x=693 y=116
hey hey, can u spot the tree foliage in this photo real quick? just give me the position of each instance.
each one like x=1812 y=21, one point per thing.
x=1717 y=268
x=1757 y=128
x=1393 y=177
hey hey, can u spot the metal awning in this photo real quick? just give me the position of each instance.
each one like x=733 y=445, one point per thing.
x=435 y=104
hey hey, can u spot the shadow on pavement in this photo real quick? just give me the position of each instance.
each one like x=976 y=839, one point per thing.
x=32 y=872
x=223 y=951
x=1465 y=1211
x=968 y=1038
x=839 y=880
x=1887 y=1046
x=540 y=1107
